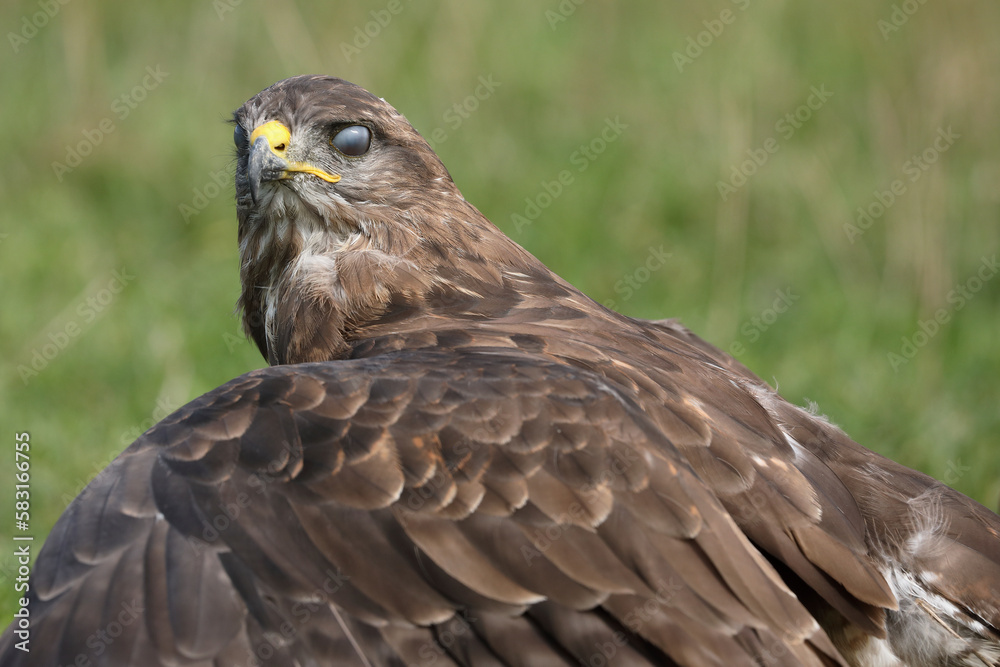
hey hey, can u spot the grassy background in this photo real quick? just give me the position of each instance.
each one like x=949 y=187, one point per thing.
x=170 y=334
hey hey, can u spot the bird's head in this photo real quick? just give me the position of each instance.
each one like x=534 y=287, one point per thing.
x=322 y=154
x=345 y=213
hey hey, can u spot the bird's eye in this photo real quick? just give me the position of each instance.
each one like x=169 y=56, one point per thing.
x=240 y=137
x=353 y=141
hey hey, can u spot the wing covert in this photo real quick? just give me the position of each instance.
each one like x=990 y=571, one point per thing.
x=378 y=499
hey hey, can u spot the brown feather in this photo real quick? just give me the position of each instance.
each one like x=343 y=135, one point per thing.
x=458 y=458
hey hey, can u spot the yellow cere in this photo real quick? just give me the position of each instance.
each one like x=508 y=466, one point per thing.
x=278 y=137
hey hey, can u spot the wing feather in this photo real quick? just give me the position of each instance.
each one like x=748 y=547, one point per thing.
x=373 y=504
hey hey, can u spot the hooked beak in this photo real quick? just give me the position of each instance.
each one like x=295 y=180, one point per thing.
x=269 y=143
x=265 y=165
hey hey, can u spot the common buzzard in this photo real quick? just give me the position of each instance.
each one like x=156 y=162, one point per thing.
x=456 y=458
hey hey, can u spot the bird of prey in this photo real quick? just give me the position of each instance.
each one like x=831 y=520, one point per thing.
x=457 y=458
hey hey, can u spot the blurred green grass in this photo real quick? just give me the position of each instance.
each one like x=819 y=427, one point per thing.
x=170 y=334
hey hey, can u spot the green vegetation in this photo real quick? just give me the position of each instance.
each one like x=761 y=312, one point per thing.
x=641 y=204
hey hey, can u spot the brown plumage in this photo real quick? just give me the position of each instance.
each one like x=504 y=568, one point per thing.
x=457 y=458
